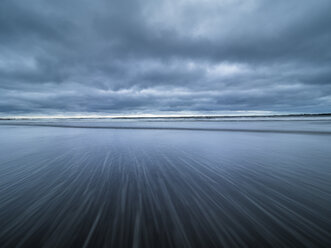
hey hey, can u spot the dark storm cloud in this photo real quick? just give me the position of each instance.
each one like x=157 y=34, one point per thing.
x=153 y=57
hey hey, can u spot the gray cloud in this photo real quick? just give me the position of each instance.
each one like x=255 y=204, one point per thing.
x=155 y=57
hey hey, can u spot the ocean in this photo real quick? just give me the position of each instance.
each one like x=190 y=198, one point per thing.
x=241 y=182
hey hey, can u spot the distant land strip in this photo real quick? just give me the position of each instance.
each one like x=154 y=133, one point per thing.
x=173 y=128
x=174 y=117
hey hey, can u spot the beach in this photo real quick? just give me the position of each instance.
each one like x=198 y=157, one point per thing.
x=165 y=183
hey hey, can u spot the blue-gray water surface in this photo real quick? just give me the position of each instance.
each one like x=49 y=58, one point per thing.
x=147 y=184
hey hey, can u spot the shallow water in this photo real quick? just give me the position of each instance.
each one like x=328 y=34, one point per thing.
x=165 y=183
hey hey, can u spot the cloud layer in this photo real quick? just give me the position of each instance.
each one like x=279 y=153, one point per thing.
x=130 y=56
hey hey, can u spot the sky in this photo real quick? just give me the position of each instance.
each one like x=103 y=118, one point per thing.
x=127 y=57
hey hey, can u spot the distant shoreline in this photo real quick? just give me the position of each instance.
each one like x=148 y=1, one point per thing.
x=172 y=117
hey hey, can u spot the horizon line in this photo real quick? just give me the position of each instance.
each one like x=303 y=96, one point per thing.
x=152 y=116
